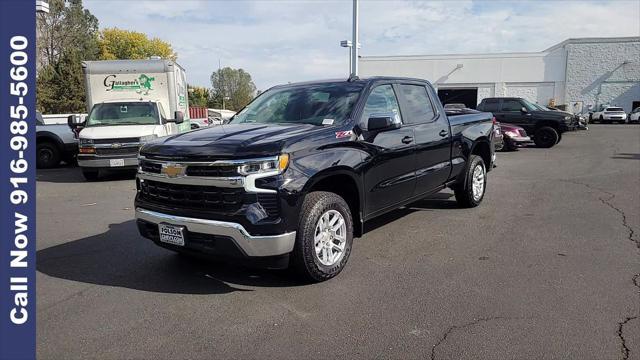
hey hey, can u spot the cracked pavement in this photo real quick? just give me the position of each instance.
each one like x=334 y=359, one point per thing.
x=546 y=268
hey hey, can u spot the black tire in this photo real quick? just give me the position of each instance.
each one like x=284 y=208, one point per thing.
x=303 y=258
x=47 y=155
x=91 y=175
x=546 y=137
x=559 y=138
x=464 y=192
x=601 y=119
x=509 y=146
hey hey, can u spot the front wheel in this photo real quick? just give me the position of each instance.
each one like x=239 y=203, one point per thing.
x=546 y=137
x=471 y=192
x=324 y=238
x=47 y=155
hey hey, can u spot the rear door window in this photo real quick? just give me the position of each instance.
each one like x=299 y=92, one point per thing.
x=489 y=105
x=418 y=105
x=510 y=105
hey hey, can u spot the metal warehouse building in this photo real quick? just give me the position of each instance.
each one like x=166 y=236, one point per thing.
x=580 y=74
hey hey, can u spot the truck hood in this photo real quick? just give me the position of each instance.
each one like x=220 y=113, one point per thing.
x=550 y=115
x=115 y=132
x=229 y=141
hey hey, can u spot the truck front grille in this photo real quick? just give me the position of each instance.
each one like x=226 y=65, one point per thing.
x=195 y=197
x=123 y=151
x=118 y=140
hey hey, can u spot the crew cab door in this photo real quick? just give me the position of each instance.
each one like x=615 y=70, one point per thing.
x=389 y=176
x=432 y=136
x=511 y=112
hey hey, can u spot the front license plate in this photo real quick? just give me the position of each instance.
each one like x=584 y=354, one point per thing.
x=116 y=162
x=171 y=234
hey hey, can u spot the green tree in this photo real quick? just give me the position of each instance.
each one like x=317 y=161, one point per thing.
x=198 y=96
x=65 y=37
x=232 y=88
x=123 y=44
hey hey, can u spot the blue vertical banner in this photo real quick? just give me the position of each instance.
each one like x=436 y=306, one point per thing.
x=17 y=179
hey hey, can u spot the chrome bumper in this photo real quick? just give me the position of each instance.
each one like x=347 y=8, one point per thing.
x=104 y=163
x=251 y=245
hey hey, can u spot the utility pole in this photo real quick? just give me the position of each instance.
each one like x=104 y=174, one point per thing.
x=355 y=42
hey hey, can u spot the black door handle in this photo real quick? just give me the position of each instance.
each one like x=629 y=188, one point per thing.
x=407 y=139
x=443 y=133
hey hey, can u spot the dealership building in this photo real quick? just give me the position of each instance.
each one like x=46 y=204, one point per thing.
x=576 y=74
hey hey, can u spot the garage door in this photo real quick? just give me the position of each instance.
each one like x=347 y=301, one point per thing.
x=538 y=93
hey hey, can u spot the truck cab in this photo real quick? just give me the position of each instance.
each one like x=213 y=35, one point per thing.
x=114 y=131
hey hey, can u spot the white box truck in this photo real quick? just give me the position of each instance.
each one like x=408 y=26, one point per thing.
x=129 y=102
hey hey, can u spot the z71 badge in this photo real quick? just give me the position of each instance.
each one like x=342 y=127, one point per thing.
x=343 y=134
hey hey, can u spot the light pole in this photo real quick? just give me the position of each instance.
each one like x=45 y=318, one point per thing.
x=355 y=43
x=348 y=44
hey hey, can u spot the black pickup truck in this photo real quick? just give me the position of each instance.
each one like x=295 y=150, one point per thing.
x=544 y=125
x=294 y=176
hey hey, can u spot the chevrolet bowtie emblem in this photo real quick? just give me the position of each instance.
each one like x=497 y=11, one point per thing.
x=172 y=170
x=116 y=145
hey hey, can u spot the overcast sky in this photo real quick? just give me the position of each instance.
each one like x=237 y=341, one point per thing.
x=289 y=41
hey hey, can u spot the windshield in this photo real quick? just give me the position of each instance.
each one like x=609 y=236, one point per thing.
x=540 y=107
x=614 y=109
x=316 y=104
x=531 y=106
x=129 y=113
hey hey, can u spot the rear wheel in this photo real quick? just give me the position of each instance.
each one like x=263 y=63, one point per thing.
x=91 y=175
x=47 y=155
x=324 y=238
x=471 y=192
x=546 y=137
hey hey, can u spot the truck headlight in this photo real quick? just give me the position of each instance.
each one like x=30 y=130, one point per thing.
x=567 y=118
x=84 y=141
x=275 y=164
x=511 y=133
x=144 y=139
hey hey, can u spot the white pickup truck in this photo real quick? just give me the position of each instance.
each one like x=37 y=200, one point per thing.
x=130 y=102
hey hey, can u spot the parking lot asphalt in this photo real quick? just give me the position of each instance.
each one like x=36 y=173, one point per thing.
x=543 y=269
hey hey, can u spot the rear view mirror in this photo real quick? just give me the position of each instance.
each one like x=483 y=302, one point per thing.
x=524 y=110
x=383 y=122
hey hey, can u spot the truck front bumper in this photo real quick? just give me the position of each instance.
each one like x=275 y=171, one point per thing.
x=97 y=162
x=209 y=236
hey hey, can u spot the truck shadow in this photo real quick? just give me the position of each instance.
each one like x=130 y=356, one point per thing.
x=70 y=174
x=439 y=201
x=122 y=258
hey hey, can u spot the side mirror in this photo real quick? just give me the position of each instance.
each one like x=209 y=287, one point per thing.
x=383 y=122
x=76 y=124
x=178 y=117
x=524 y=110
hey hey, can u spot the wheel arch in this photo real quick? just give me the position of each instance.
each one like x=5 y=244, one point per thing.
x=345 y=182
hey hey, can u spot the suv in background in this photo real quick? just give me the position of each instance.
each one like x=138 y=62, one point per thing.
x=609 y=114
x=545 y=127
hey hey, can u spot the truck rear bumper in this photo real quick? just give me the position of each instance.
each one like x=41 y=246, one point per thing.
x=249 y=245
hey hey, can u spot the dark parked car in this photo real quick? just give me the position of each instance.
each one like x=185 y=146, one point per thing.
x=297 y=172
x=514 y=137
x=546 y=127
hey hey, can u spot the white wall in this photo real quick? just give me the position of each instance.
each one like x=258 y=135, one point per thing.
x=492 y=74
x=604 y=73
